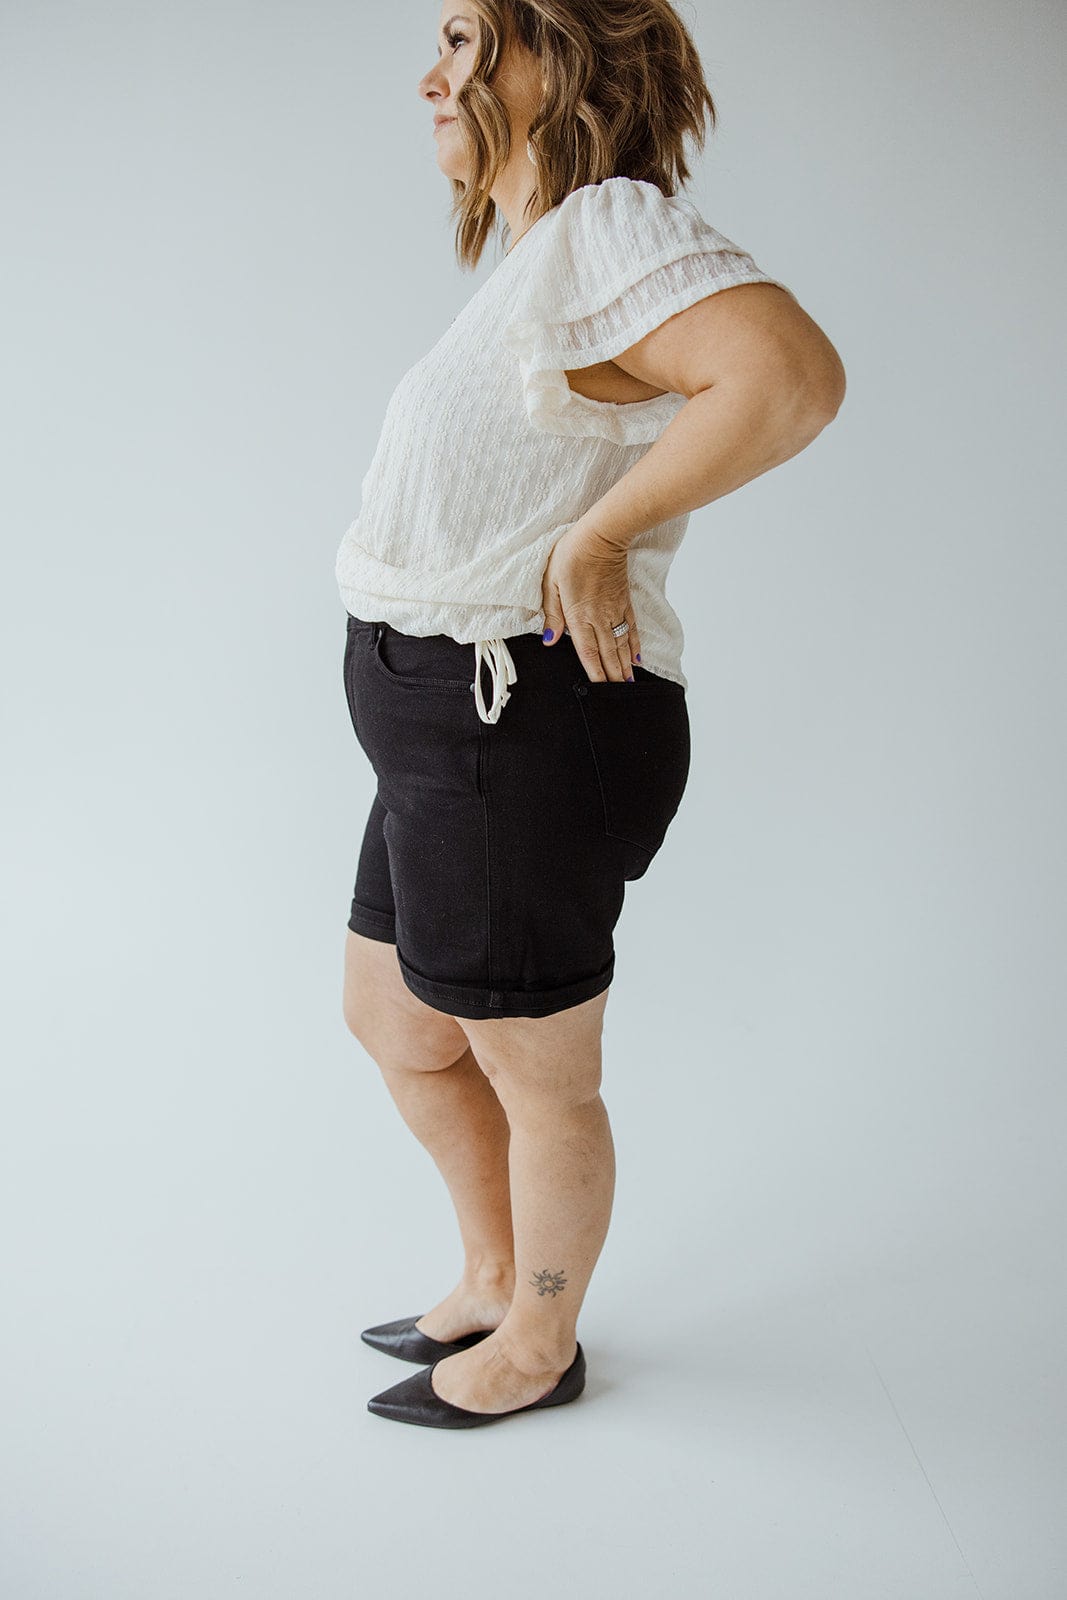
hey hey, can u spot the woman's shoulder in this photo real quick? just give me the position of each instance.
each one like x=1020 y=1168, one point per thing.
x=603 y=237
x=627 y=219
x=622 y=197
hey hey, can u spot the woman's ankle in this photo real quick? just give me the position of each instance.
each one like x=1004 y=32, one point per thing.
x=493 y=1282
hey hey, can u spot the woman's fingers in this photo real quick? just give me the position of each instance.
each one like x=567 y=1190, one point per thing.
x=586 y=640
x=614 y=654
x=621 y=649
x=627 y=644
x=553 y=612
x=585 y=573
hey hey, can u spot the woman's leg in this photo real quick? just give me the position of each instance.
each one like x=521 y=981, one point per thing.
x=546 y=1072
x=452 y=1109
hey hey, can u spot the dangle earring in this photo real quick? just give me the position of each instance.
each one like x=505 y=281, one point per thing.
x=530 y=152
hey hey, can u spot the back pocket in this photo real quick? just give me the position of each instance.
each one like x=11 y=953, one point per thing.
x=638 y=736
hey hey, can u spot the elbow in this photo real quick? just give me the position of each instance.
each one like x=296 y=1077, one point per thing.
x=815 y=398
x=809 y=377
x=808 y=397
x=824 y=387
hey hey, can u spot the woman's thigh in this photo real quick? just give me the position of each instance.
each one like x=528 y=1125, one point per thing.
x=394 y=1025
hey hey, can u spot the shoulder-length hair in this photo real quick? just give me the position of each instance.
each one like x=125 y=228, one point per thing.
x=623 y=89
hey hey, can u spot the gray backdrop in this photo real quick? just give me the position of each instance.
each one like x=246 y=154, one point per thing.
x=821 y=1335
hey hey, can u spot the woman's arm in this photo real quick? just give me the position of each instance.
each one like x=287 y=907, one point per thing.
x=762 y=381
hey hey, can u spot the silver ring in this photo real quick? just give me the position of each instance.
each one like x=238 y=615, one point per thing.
x=618 y=630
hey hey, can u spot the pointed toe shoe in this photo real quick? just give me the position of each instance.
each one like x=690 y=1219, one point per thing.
x=403 y=1339
x=413 y=1400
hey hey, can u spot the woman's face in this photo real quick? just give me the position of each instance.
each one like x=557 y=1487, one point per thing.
x=516 y=81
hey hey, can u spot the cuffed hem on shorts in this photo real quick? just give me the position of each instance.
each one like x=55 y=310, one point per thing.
x=373 y=924
x=480 y=1005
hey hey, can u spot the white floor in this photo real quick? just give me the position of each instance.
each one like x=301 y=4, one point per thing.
x=771 y=1412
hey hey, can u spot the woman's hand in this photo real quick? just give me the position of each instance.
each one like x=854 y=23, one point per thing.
x=586 y=587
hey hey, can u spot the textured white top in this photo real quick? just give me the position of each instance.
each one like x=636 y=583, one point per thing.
x=487 y=456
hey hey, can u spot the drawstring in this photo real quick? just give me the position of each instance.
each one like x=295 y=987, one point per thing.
x=497 y=656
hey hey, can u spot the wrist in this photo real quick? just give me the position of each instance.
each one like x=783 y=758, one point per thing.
x=597 y=537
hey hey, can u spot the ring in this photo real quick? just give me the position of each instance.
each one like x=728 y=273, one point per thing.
x=618 y=630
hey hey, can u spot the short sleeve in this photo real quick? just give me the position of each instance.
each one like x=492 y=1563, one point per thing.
x=618 y=258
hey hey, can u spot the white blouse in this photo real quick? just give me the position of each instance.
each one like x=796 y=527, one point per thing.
x=487 y=456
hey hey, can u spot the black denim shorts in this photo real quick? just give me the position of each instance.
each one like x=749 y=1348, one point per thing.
x=495 y=855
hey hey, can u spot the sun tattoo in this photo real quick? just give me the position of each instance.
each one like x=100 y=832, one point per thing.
x=548 y=1282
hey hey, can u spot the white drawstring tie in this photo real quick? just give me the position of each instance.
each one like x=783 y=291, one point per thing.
x=497 y=656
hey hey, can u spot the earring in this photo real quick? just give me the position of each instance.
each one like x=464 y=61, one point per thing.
x=530 y=152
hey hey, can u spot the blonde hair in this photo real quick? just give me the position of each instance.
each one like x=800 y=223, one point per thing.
x=623 y=89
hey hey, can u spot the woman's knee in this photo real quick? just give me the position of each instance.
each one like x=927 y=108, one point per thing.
x=551 y=1061
x=394 y=1026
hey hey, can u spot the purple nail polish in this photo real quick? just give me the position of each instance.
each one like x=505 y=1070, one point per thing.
x=548 y=634
x=630 y=680
x=637 y=657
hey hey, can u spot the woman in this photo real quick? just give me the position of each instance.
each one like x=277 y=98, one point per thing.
x=533 y=480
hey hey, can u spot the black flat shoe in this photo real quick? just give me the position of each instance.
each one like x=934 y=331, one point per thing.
x=413 y=1400
x=403 y=1339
